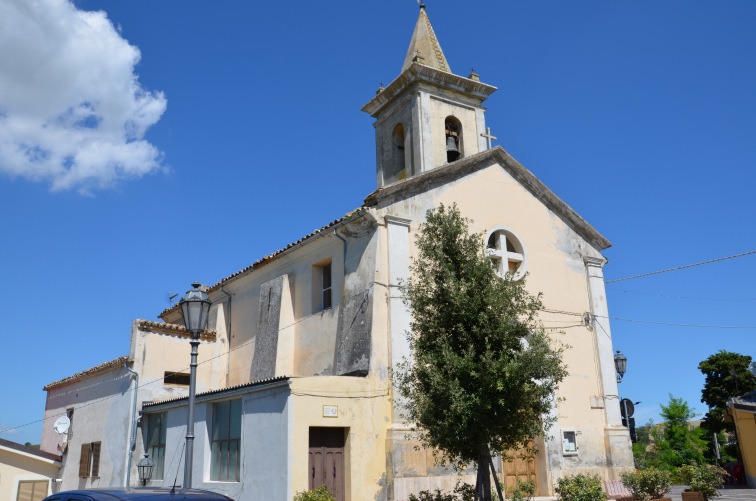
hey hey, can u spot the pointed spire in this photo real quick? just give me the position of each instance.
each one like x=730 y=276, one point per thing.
x=424 y=47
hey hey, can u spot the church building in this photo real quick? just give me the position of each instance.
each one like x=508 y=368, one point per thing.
x=294 y=379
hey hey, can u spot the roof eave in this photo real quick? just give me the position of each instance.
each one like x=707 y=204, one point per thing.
x=325 y=230
x=527 y=179
x=418 y=74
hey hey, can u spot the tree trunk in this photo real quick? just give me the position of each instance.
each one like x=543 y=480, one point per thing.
x=478 y=495
x=483 y=460
x=496 y=479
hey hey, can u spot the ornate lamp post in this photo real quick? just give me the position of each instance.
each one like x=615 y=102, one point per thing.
x=620 y=364
x=195 y=306
x=144 y=468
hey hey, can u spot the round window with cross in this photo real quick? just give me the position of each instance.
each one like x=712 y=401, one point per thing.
x=507 y=253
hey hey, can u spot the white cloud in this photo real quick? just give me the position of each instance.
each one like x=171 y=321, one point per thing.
x=72 y=111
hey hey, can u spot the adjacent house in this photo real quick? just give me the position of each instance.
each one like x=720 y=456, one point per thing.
x=26 y=473
x=742 y=411
x=294 y=384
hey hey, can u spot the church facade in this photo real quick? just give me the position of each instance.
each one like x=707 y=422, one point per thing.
x=295 y=371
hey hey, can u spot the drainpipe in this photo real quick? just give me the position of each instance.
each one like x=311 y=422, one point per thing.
x=335 y=232
x=228 y=334
x=132 y=432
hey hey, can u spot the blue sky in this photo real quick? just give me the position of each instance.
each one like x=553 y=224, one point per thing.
x=244 y=132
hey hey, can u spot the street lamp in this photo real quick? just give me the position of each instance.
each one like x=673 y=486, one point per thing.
x=144 y=468
x=195 y=306
x=620 y=364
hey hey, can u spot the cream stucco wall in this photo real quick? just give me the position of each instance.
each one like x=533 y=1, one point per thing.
x=17 y=466
x=555 y=255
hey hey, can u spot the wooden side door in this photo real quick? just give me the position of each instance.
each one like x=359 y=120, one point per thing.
x=326 y=460
x=519 y=465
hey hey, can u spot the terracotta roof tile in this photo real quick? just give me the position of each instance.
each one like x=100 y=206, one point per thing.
x=172 y=329
x=97 y=369
x=270 y=257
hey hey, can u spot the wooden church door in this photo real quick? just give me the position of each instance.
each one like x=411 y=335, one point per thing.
x=326 y=460
x=520 y=465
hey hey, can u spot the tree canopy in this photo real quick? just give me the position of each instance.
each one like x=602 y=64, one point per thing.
x=727 y=375
x=672 y=443
x=484 y=373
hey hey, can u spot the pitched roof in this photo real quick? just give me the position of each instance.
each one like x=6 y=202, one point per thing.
x=219 y=392
x=97 y=369
x=424 y=47
x=430 y=179
x=33 y=451
x=270 y=257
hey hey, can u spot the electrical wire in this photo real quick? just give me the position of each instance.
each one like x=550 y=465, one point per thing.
x=701 y=326
x=681 y=267
x=665 y=296
x=94 y=402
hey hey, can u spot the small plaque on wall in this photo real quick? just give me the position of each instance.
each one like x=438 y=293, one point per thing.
x=330 y=411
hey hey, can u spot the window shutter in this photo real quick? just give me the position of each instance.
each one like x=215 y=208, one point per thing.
x=25 y=491
x=96 y=459
x=84 y=461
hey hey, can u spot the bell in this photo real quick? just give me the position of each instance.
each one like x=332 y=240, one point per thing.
x=451 y=145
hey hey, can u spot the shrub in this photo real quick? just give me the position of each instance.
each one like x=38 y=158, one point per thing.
x=463 y=492
x=524 y=491
x=580 y=487
x=650 y=483
x=705 y=478
x=319 y=494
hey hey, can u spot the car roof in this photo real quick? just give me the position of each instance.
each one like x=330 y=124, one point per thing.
x=141 y=494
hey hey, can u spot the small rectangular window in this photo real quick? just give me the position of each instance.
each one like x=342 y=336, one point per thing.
x=179 y=378
x=156 y=427
x=322 y=286
x=327 y=296
x=569 y=443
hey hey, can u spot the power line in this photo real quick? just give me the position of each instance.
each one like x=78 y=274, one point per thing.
x=701 y=326
x=681 y=267
x=666 y=296
x=13 y=428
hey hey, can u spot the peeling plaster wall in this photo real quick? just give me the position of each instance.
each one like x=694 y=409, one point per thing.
x=336 y=340
x=102 y=408
x=269 y=313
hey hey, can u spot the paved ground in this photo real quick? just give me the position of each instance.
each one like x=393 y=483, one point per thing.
x=728 y=494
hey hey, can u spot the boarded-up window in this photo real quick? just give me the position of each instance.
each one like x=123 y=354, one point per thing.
x=176 y=378
x=225 y=441
x=32 y=490
x=84 y=461
x=89 y=462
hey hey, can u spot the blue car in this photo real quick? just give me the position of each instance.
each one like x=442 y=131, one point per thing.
x=144 y=494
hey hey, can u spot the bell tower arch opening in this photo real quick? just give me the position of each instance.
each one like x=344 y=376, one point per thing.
x=453 y=129
x=399 y=170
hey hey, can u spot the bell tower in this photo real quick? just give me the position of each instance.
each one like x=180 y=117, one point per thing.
x=428 y=116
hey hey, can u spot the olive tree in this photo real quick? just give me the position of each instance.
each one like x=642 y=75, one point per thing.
x=484 y=373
